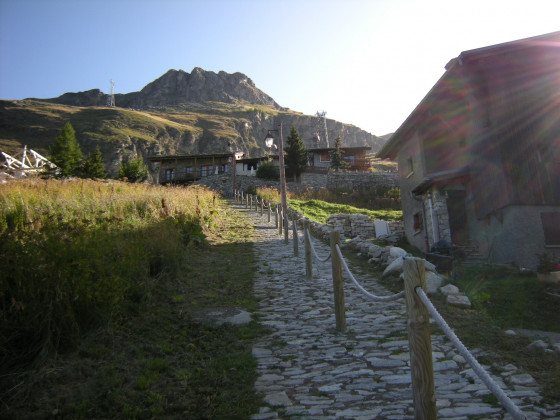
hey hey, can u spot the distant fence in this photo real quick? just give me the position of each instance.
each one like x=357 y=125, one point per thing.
x=419 y=309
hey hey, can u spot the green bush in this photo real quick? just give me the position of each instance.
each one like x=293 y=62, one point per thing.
x=268 y=170
x=133 y=170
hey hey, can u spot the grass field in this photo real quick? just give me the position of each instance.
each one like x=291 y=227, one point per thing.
x=102 y=293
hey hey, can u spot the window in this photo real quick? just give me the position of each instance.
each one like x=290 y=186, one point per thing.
x=224 y=168
x=188 y=170
x=324 y=157
x=409 y=167
x=551 y=227
x=170 y=174
x=206 y=170
x=418 y=222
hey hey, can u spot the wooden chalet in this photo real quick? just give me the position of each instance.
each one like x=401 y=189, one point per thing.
x=355 y=157
x=180 y=169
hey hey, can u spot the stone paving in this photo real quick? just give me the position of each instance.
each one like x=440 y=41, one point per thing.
x=307 y=370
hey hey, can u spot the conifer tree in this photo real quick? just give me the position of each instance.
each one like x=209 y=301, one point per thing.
x=296 y=154
x=65 y=152
x=133 y=170
x=337 y=157
x=93 y=166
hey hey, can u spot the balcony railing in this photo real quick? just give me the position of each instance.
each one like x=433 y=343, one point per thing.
x=184 y=175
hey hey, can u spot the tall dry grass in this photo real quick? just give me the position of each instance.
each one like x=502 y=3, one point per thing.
x=77 y=254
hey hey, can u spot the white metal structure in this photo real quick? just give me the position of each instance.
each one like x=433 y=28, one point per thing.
x=323 y=115
x=111 y=96
x=26 y=163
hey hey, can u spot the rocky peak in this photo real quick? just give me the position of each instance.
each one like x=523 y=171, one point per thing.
x=179 y=87
x=200 y=86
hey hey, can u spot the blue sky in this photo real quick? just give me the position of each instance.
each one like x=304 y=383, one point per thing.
x=365 y=62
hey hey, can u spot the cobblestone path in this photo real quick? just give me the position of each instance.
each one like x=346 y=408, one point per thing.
x=307 y=370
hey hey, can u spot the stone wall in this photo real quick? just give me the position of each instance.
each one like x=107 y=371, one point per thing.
x=350 y=180
x=224 y=183
x=351 y=226
x=361 y=180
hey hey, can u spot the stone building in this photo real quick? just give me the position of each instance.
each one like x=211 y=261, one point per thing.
x=479 y=157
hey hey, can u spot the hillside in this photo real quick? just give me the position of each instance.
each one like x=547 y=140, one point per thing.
x=179 y=113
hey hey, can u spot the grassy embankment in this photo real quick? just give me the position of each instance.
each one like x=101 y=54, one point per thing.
x=503 y=298
x=102 y=289
x=311 y=204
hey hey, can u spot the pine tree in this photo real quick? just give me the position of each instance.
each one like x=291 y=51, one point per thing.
x=133 y=170
x=337 y=157
x=296 y=154
x=93 y=166
x=65 y=152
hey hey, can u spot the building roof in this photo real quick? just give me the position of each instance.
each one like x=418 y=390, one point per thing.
x=328 y=149
x=453 y=69
x=183 y=157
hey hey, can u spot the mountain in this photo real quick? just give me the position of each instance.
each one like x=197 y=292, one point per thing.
x=178 y=87
x=178 y=113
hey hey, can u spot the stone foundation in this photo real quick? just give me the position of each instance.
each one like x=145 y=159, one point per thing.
x=361 y=180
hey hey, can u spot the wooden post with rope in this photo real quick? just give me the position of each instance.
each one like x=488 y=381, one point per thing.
x=296 y=238
x=338 y=284
x=280 y=220
x=420 y=341
x=286 y=228
x=308 y=257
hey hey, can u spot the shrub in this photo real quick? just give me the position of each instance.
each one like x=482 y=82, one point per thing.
x=268 y=170
x=269 y=194
x=133 y=170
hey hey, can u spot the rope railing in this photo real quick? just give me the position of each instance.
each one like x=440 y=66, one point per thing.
x=508 y=404
x=359 y=286
x=314 y=253
x=419 y=309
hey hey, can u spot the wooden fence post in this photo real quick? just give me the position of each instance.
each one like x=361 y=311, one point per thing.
x=338 y=284
x=268 y=207
x=246 y=200
x=296 y=238
x=308 y=259
x=276 y=217
x=262 y=206
x=286 y=228
x=280 y=221
x=420 y=341
x=256 y=203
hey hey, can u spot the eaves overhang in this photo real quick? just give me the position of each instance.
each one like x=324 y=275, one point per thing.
x=443 y=179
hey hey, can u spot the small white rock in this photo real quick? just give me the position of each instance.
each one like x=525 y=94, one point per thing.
x=449 y=289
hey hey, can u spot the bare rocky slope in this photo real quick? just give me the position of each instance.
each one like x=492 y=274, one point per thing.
x=178 y=113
